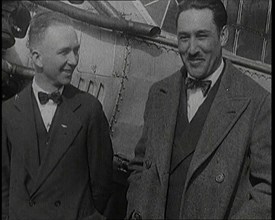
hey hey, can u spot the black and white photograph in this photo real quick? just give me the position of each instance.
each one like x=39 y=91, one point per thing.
x=136 y=109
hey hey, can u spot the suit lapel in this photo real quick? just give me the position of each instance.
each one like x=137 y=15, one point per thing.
x=167 y=107
x=182 y=135
x=65 y=128
x=26 y=132
x=224 y=112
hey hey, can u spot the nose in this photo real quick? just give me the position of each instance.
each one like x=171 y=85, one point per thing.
x=72 y=58
x=193 y=46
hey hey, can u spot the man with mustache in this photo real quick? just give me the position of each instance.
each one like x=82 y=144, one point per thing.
x=56 y=149
x=205 y=151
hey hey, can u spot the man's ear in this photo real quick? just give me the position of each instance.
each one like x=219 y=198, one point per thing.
x=224 y=34
x=37 y=58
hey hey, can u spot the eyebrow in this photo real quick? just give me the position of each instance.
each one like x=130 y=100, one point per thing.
x=68 y=48
x=203 y=31
x=77 y=47
x=197 y=32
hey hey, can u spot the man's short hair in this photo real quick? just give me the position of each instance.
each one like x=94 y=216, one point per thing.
x=216 y=6
x=39 y=24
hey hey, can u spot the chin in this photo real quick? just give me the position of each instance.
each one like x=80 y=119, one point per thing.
x=65 y=82
x=196 y=74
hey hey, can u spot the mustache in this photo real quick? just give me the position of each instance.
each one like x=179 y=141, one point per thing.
x=196 y=56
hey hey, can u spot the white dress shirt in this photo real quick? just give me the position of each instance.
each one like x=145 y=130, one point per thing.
x=195 y=96
x=48 y=110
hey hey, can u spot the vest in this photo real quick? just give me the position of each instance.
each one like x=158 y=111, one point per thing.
x=185 y=141
x=43 y=136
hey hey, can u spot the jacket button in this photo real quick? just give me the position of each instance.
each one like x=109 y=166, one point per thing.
x=137 y=216
x=220 y=178
x=57 y=203
x=31 y=203
x=148 y=164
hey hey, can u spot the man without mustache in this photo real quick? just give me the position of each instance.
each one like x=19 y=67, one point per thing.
x=56 y=149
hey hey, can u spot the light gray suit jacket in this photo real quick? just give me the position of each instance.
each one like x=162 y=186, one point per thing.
x=230 y=172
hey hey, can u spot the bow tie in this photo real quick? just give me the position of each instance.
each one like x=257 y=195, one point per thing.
x=44 y=97
x=194 y=83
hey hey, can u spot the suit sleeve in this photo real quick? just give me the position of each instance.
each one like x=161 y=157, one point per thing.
x=100 y=154
x=259 y=204
x=5 y=171
x=136 y=165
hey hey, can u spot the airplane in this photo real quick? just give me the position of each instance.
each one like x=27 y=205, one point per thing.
x=126 y=46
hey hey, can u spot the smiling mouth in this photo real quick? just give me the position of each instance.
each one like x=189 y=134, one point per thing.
x=196 y=62
x=68 y=71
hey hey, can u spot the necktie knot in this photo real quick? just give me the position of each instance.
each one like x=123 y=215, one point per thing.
x=44 y=97
x=205 y=85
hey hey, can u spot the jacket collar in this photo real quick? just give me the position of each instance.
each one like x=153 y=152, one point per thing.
x=65 y=128
x=226 y=108
x=166 y=107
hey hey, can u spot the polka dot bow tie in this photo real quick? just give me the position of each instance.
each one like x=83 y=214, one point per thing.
x=205 y=85
x=44 y=97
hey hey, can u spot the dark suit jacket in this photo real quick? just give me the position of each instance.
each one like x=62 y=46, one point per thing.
x=76 y=174
x=230 y=172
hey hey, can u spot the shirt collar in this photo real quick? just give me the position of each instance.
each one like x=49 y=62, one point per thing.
x=36 y=88
x=214 y=76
